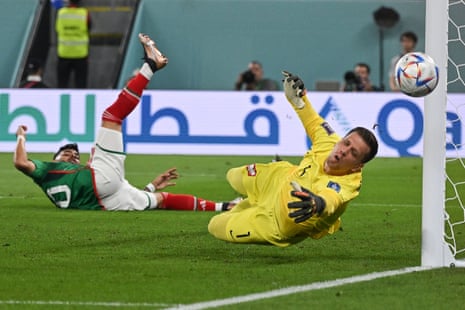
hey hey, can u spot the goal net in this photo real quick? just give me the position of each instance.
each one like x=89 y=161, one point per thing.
x=443 y=213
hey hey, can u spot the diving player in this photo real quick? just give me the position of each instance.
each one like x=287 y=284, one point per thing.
x=101 y=183
x=285 y=203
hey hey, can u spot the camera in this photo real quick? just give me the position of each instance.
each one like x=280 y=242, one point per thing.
x=248 y=77
x=353 y=82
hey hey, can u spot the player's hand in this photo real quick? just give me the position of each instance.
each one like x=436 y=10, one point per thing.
x=294 y=89
x=309 y=205
x=21 y=131
x=164 y=179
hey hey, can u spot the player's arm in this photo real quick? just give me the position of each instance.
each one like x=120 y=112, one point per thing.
x=163 y=180
x=326 y=205
x=296 y=94
x=20 y=160
x=309 y=204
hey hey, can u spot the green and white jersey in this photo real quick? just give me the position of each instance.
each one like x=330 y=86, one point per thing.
x=69 y=186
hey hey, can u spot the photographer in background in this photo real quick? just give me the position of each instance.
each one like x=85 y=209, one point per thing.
x=359 y=79
x=252 y=79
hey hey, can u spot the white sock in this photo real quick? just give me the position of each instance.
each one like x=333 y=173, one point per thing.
x=219 y=206
x=146 y=71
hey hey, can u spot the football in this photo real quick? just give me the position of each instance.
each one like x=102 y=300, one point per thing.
x=416 y=74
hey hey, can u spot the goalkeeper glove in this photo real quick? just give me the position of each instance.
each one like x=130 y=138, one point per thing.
x=294 y=89
x=309 y=205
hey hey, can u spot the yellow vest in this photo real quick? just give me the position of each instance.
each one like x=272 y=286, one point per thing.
x=73 y=34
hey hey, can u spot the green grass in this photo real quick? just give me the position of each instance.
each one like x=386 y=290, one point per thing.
x=167 y=258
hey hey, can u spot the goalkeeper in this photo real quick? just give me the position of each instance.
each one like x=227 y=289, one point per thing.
x=285 y=203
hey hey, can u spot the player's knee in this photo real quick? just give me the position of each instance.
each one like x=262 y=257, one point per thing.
x=234 y=178
x=217 y=228
x=211 y=226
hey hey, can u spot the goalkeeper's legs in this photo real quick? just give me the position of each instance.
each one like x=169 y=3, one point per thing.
x=255 y=180
x=237 y=227
x=234 y=177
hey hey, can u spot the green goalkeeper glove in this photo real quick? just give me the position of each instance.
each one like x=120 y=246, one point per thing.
x=309 y=205
x=294 y=89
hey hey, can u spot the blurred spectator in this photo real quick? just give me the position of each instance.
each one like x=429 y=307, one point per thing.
x=252 y=79
x=359 y=79
x=57 y=4
x=73 y=24
x=408 y=42
x=34 y=71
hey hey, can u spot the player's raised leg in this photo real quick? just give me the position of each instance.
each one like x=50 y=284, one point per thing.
x=107 y=158
x=129 y=97
x=109 y=136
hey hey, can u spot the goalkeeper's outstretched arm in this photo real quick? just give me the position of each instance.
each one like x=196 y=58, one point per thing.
x=296 y=94
x=20 y=160
x=326 y=205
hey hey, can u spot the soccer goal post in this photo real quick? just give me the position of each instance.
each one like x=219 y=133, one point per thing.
x=442 y=209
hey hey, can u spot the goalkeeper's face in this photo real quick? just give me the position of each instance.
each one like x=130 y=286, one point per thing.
x=347 y=155
x=69 y=156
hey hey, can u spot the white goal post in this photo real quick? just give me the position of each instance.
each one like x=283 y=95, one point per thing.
x=436 y=251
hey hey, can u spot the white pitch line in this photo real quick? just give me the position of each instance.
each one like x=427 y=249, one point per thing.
x=298 y=289
x=227 y=301
x=83 y=303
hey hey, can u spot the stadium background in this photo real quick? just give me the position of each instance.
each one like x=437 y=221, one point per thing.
x=161 y=259
x=210 y=42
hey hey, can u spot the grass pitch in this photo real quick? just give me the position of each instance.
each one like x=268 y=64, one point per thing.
x=51 y=258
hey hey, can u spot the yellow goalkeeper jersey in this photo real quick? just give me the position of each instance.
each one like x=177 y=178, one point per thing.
x=263 y=217
x=337 y=191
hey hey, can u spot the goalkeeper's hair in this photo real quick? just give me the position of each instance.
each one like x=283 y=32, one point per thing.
x=369 y=138
x=69 y=146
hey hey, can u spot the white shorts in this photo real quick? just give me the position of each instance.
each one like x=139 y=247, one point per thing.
x=114 y=191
